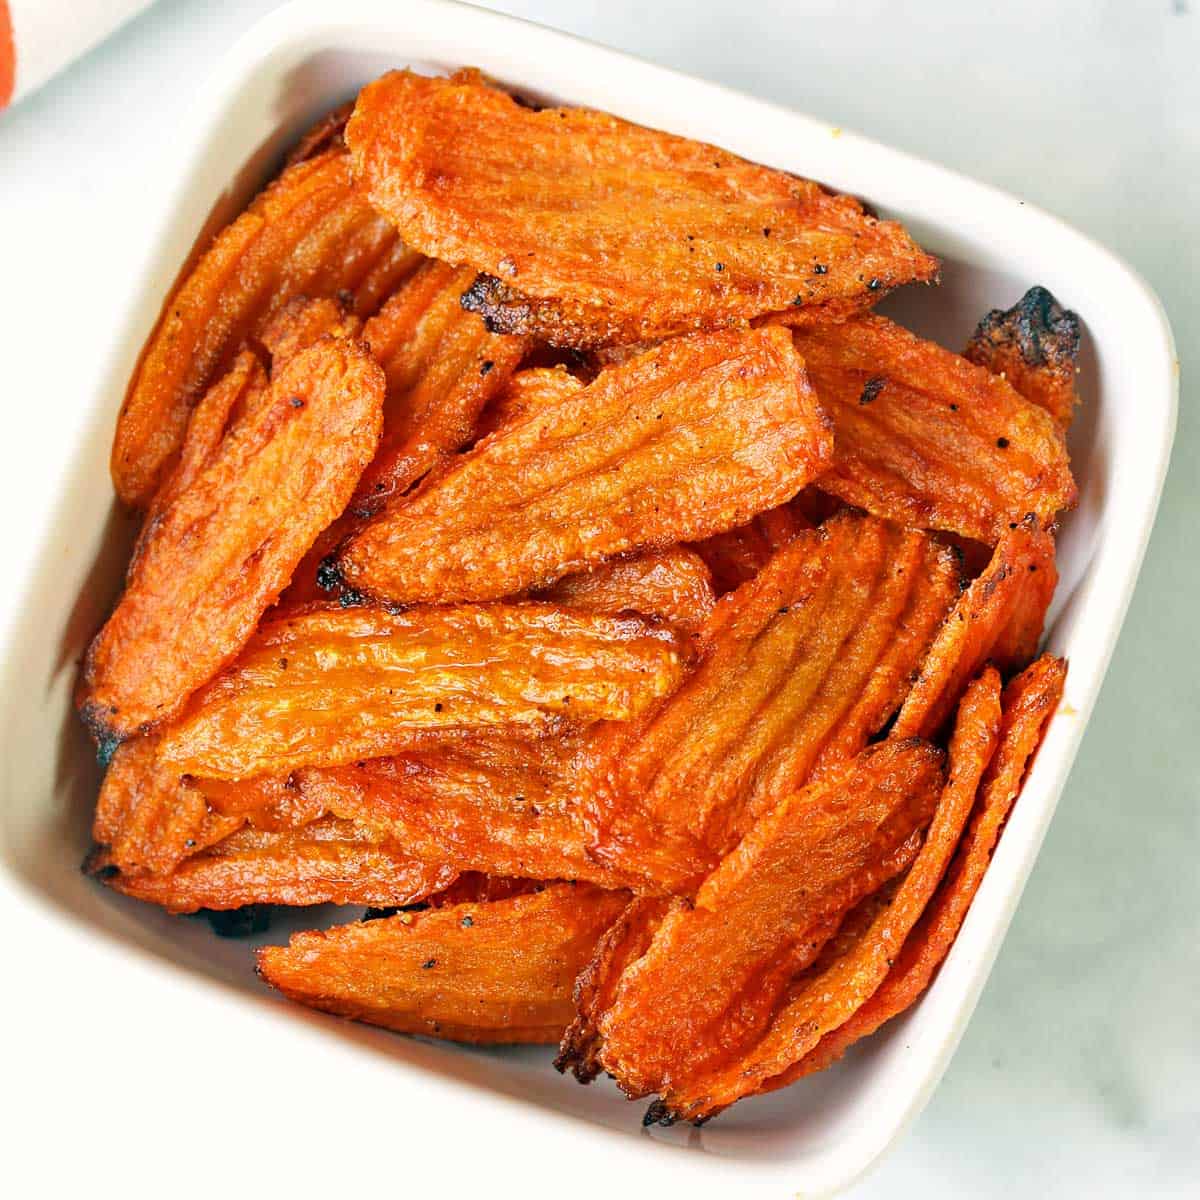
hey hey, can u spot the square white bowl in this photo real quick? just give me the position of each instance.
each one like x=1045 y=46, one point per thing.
x=813 y=1138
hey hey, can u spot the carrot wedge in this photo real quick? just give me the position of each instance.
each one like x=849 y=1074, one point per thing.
x=493 y=972
x=691 y=438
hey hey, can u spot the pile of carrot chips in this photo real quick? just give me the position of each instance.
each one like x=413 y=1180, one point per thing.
x=545 y=546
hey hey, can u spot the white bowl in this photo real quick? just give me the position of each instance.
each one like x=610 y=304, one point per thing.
x=147 y=975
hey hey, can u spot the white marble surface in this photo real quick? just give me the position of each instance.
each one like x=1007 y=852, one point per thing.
x=1080 y=1074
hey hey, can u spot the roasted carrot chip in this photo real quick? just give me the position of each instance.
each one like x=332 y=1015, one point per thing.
x=998 y=617
x=1035 y=346
x=672 y=584
x=307 y=234
x=927 y=439
x=616 y=232
x=301 y=322
x=1028 y=703
x=442 y=368
x=737 y=555
x=492 y=803
x=267 y=802
x=713 y=974
x=692 y=438
x=225 y=547
x=850 y=968
x=243 y=387
x=798 y=667
x=148 y=818
x=327 y=862
x=529 y=392
x=492 y=972
x=336 y=685
x=596 y=986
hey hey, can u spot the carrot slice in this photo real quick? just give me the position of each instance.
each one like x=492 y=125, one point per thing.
x=301 y=322
x=442 y=368
x=491 y=803
x=626 y=941
x=850 y=970
x=1029 y=702
x=147 y=818
x=798 y=667
x=225 y=547
x=327 y=862
x=244 y=386
x=737 y=555
x=530 y=391
x=334 y=686
x=603 y=231
x=694 y=437
x=709 y=983
x=492 y=972
x=307 y=233
x=672 y=584
x=998 y=617
x=926 y=438
x=1035 y=346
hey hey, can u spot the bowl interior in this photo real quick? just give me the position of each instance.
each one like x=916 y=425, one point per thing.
x=48 y=770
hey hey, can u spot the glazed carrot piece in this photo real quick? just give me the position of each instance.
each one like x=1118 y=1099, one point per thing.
x=714 y=973
x=494 y=972
x=1035 y=346
x=309 y=234
x=326 y=862
x=694 y=437
x=850 y=969
x=225 y=547
x=594 y=230
x=798 y=668
x=673 y=585
x=339 y=685
x=928 y=439
x=998 y=617
x=1028 y=704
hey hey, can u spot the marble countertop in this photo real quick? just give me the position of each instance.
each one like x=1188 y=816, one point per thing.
x=1080 y=1073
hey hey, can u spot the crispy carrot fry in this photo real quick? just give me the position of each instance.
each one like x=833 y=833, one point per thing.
x=998 y=617
x=267 y=802
x=1029 y=702
x=301 y=322
x=692 y=438
x=308 y=233
x=713 y=975
x=852 y=968
x=442 y=368
x=225 y=548
x=243 y=386
x=492 y=972
x=327 y=862
x=148 y=818
x=798 y=667
x=737 y=555
x=672 y=584
x=616 y=232
x=334 y=686
x=596 y=986
x=1035 y=346
x=492 y=803
x=927 y=439
x=528 y=392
